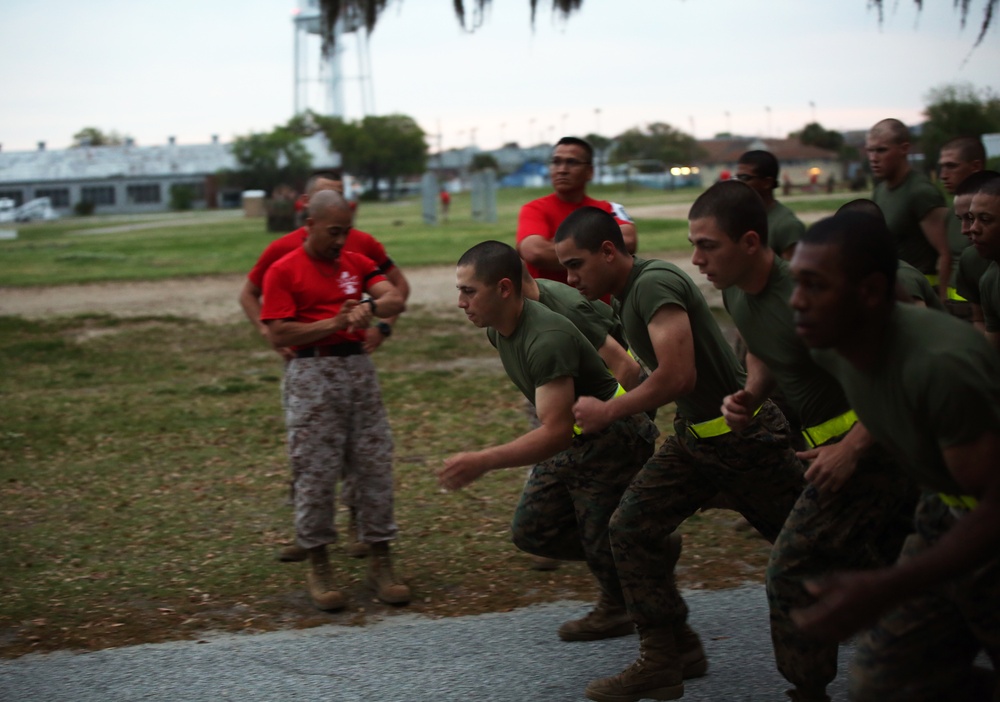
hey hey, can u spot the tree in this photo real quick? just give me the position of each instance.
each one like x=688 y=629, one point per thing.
x=957 y=110
x=658 y=142
x=92 y=136
x=378 y=147
x=267 y=160
x=367 y=12
x=814 y=134
x=482 y=162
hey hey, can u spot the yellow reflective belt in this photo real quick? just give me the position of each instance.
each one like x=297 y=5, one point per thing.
x=821 y=433
x=960 y=501
x=713 y=427
x=618 y=393
x=932 y=279
x=953 y=295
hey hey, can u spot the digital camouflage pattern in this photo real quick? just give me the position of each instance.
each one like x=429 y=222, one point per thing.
x=338 y=427
x=568 y=500
x=756 y=469
x=923 y=651
x=860 y=527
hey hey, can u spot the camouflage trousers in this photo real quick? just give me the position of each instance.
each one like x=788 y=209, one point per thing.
x=923 y=650
x=756 y=468
x=862 y=526
x=568 y=500
x=338 y=428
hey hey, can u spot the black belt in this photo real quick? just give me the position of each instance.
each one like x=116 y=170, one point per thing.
x=349 y=348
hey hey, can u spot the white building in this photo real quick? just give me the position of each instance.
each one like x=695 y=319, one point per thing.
x=129 y=178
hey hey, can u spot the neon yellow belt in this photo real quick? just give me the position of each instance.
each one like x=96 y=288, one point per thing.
x=713 y=427
x=821 y=433
x=932 y=279
x=618 y=393
x=953 y=295
x=959 y=501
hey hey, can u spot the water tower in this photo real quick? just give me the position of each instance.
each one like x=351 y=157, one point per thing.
x=319 y=79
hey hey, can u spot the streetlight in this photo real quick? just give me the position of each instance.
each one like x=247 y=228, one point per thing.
x=597 y=120
x=729 y=124
x=562 y=124
x=768 y=110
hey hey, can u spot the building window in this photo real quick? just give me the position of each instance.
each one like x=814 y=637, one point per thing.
x=59 y=197
x=142 y=194
x=16 y=195
x=98 y=194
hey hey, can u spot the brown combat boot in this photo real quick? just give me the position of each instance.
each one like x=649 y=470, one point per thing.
x=354 y=548
x=320 y=581
x=692 y=655
x=655 y=675
x=607 y=620
x=291 y=553
x=382 y=580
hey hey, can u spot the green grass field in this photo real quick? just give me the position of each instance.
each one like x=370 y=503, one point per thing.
x=142 y=462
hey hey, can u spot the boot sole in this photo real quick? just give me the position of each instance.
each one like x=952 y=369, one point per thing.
x=696 y=668
x=614 y=632
x=387 y=600
x=291 y=557
x=670 y=692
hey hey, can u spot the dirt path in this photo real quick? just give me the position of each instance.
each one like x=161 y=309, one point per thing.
x=213 y=298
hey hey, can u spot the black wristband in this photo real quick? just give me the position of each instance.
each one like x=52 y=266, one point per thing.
x=371 y=301
x=385 y=329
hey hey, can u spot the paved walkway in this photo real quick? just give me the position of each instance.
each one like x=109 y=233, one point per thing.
x=510 y=657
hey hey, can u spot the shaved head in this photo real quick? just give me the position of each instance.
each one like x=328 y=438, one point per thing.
x=892 y=129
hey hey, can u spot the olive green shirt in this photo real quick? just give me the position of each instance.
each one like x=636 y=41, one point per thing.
x=766 y=325
x=654 y=284
x=904 y=207
x=545 y=346
x=957 y=244
x=915 y=284
x=971 y=267
x=594 y=318
x=989 y=297
x=784 y=229
x=935 y=384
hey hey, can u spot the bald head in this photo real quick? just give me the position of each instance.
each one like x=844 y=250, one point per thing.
x=891 y=129
x=325 y=200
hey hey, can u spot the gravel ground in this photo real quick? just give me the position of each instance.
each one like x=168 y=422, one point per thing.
x=510 y=657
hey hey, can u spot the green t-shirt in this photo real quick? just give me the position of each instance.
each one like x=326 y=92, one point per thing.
x=915 y=283
x=654 y=284
x=935 y=384
x=971 y=267
x=766 y=325
x=904 y=207
x=957 y=244
x=546 y=346
x=595 y=319
x=989 y=297
x=784 y=229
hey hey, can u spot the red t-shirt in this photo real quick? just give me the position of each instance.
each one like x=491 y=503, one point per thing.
x=304 y=289
x=357 y=241
x=544 y=215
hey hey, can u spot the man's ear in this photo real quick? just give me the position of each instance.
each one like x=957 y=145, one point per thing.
x=750 y=241
x=505 y=288
x=608 y=250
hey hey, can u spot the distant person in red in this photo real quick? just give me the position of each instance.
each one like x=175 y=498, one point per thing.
x=445 y=203
x=300 y=208
x=570 y=169
x=725 y=175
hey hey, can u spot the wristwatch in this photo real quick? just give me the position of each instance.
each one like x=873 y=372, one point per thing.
x=385 y=329
x=371 y=301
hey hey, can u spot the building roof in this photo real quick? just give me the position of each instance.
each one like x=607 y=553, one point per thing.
x=728 y=151
x=128 y=161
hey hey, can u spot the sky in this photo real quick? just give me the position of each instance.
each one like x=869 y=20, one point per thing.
x=192 y=69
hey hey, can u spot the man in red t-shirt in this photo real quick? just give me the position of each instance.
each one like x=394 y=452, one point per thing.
x=570 y=168
x=357 y=241
x=250 y=301
x=337 y=424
